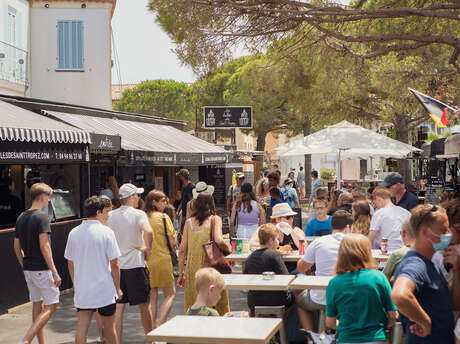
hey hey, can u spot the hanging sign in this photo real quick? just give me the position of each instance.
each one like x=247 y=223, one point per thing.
x=227 y=117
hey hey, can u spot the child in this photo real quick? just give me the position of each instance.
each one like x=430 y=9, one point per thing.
x=209 y=285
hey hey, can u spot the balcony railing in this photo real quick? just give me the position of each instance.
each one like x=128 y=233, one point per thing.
x=13 y=64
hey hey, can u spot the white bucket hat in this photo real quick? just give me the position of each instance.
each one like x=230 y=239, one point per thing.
x=202 y=188
x=282 y=210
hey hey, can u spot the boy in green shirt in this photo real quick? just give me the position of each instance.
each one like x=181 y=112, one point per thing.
x=209 y=285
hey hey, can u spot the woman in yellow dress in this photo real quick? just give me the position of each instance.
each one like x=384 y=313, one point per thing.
x=160 y=264
x=197 y=231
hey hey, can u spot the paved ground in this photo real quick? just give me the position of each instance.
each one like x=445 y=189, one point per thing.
x=61 y=328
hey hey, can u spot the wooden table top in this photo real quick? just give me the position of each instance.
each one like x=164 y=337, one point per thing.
x=201 y=329
x=242 y=257
x=310 y=282
x=256 y=282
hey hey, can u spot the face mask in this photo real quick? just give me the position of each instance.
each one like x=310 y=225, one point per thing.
x=445 y=241
x=284 y=227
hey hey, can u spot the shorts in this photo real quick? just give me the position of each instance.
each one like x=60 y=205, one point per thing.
x=106 y=311
x=135 y=285
x=304 y=300
x=41 y=287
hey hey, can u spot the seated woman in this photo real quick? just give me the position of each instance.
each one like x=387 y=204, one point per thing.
x=283 y=218
x=359 y=296
x=266 y=258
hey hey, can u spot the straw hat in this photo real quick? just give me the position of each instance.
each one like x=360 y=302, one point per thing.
x=282 y=210
x=202 y=187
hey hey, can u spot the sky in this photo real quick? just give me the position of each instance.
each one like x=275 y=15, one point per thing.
x=144 y=49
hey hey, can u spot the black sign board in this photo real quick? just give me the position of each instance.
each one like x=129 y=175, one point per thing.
x=189 y=159
x=42 y=153
x=226 y=117
x=105 y=144
x=177 y=159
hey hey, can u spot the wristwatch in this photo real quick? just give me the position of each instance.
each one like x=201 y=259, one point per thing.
x=55 y=274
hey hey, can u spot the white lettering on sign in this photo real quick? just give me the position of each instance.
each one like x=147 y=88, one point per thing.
x=24 y=156
x=105 y=144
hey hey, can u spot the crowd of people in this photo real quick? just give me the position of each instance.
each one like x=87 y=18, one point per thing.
x=125 y=253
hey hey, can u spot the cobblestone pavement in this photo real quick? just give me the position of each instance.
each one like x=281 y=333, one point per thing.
x=61 y=328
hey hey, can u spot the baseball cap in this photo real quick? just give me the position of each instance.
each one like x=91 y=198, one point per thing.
x=392 y=179
x=239 y=175
x=127 y=190
x=183 y=172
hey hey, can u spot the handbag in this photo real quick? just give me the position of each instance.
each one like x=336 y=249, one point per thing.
x=214 y=256
x=172 y=252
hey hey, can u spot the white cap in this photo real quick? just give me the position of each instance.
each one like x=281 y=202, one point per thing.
x=127 y=190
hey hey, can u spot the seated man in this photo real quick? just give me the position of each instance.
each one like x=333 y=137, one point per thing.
x=321 y=224
x=266 y=258
x=323 y=252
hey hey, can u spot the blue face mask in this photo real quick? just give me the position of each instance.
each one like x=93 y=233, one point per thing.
x=445 y=241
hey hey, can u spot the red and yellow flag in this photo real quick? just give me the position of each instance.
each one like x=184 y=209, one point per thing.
x=437 y=110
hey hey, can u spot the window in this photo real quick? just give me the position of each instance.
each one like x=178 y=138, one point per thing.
x=11 y=35
x=70 y=45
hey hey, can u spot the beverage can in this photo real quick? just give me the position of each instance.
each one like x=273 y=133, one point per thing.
x=384 y=246
x=245 y=246
x=239 y=246
x=233 y=241
x=301 y=247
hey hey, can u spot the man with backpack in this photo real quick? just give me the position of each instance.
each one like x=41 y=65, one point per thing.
x=289 y=194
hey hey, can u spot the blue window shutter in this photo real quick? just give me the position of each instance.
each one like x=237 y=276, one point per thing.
x=70 y=44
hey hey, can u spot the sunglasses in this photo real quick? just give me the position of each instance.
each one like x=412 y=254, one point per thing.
x=289 y=217
x=433 y=208
x=242 y=178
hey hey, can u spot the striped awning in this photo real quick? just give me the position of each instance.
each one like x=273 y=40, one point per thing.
x=18 y=124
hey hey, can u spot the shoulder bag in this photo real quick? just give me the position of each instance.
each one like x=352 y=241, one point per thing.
x=172 y=252
x=214 y=256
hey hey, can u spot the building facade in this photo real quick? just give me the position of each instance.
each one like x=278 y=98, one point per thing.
x=14 y=18
x=70 y=44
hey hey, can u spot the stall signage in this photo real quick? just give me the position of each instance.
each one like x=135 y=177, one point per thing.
x=105 y=143
x=41 y=153
x=189 y=159
x=153 y=158
x=215 y=159
x=226 y=117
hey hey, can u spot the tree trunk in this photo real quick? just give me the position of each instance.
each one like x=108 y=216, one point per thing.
x=402 y=134
x=307 y=161
x=261 y=147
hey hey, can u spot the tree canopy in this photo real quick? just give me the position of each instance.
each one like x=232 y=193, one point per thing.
x=204 y=30
x=162 y=98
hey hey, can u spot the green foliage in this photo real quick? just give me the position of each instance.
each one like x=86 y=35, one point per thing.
x=327 y=174
x=161 y=98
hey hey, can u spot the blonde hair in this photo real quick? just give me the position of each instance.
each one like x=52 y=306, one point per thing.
x=204 y=277
x=355 y=253
x=266 y=232
x=381 y=192
x=425 y=215
x=38 y=189
x=361 y=217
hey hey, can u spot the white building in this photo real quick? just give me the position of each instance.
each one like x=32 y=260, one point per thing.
x=14 y=18
x=70 y=51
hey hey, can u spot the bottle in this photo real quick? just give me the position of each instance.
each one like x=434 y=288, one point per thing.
x=384 y=246
x=301 y=247
x=234 y=249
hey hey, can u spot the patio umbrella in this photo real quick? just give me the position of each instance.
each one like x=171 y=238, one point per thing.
x=348 y=140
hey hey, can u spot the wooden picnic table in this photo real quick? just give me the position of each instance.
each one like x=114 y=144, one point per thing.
x=256 y=282
x=242 y=257
x=201 y=329
x=310 y=282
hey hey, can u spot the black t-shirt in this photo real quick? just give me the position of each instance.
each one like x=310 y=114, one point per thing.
x=261 y=260
x=186 y=197
x=29 y=226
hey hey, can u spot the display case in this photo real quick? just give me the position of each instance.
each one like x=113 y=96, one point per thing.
x=62 y=206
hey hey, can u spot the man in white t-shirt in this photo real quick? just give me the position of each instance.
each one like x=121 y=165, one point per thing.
x=387 y=220
x=91 y=248
x=323 y=253
x=131 y=226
